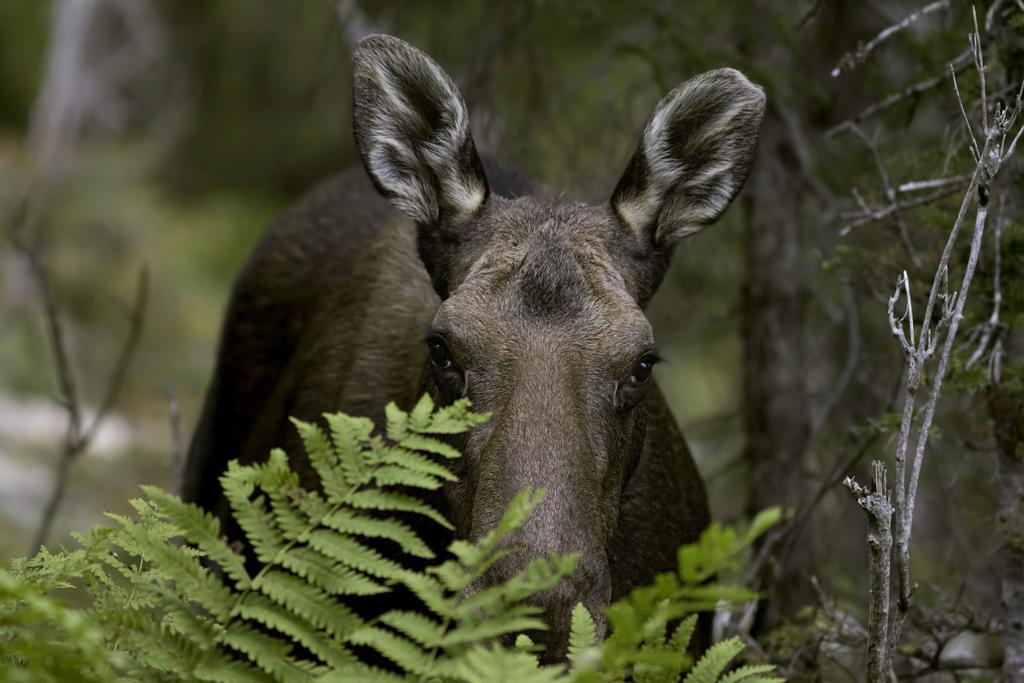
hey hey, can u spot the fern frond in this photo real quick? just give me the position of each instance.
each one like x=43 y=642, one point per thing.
x=259 y=526
x=582 y=632
x=268 y=653
x=419 y=416
x=711 y=665
x=514 y=619
x=328 y=575
x=681 y=637
x=410 y=460
x=429 y=591
x=192 y=582
x=352 y=553
x=264 y=611
x=351 y=522
x=166 y=616
x=418 y=627
x=390 y=501
x=227 y=670
x=202 y=529
x=307 y=602
x=427 y=444
x=396 y=648
x=751 y=674
x=394 y=475
x=453 y=419
x=321 y=456
x=481 y=664
x=362 y=673
x=351 y=436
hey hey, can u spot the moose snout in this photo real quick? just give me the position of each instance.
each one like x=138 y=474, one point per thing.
x=589 y=584
x=539 y=441
x=562 y=523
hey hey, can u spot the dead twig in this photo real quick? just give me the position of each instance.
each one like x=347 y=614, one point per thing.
x=878 y=507
x=912 y=90
x=990 y=151
x=77 y=436
x=852 y=60
x=177 y=455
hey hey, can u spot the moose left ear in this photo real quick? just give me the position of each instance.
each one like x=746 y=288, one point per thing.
x=412 y=130
x=693 y=158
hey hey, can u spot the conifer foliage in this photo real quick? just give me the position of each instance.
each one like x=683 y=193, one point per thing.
x=169 y=599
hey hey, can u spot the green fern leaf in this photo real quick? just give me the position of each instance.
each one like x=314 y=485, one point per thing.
x=349 y=522
x=354 y=554
x=524 y=642
x=268 y=653
x=224 y=670
x=321 y=455
x=516 y=514
x=419 y=416
x=350 y=436
x=191 y=580
x=264 y=611
x=202 y=529
x=750 y=674
x=714 y=661
x=394 y=475
x=416 y=462
x=399 y=650
x=397 y=422
x=390 y=501
x=363 y=674
x=454 y=419
x=429 y=591
x=681 y=637
x=307 y=602
x=495 y=665
x=426 y=444
x=329 y=575
x=415 y=626
x=582 y=632
x=260 y=529
x=514 y=619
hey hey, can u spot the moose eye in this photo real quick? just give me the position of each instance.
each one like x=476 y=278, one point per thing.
x=642 y=369
x=439 y=356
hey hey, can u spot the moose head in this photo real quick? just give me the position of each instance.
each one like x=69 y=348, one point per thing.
x=541 y=321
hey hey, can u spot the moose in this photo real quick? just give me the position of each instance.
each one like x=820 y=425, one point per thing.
x=435 y=270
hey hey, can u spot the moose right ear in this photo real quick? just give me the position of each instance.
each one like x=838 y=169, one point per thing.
x=693 y=158
x=412 y=130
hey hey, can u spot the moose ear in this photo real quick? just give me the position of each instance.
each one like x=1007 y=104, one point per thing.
x=412 y=130
x=693 y=158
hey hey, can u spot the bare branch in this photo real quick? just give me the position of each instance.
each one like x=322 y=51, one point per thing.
x=967 y=121
x=912 y=90
x=918 y=185
x=77 y=439
x=852 y=60
x=878 y=507
x=177 y=454
x=990 y=326
x=896 y=324
x=886 y=212
x=989 y=155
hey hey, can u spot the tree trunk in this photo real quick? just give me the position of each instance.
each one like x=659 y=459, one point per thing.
x=776 y=406
x=1007 y=409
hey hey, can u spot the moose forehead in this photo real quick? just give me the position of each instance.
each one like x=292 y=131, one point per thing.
x=546 y=265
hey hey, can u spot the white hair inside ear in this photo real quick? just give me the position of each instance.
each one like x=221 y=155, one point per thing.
x=693 y=158
x=412 y=129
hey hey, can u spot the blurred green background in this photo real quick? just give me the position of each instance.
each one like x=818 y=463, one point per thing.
x=169 y=133
x=233 y=111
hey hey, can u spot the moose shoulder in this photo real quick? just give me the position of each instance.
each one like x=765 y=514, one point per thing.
x=532 y=307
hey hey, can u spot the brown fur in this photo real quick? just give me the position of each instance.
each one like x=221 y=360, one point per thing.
x=538 y=303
